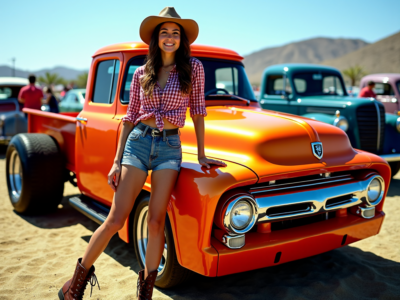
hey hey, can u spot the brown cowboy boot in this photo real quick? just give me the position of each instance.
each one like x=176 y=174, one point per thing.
x=74 y=288
x=145 y=286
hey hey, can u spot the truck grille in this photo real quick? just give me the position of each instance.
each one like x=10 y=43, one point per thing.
x=370 y=127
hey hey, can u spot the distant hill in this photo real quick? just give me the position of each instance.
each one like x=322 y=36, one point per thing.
x=66 y=73
x=380 y=57
x=313 y=50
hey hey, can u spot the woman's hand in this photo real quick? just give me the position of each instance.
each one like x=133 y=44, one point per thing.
x=206 y=162
x=114 y=172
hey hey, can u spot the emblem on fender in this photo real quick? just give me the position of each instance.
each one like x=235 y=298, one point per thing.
x=317 y=149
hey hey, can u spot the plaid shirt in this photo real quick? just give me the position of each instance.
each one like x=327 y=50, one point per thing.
x=169 y=102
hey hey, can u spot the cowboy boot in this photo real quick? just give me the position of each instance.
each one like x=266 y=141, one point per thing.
x=74 y=288
x=145 y=286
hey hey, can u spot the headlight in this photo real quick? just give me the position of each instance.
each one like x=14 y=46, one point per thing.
x=398 y=124
x=375 y=191
x=342 y=123
x=240 y=215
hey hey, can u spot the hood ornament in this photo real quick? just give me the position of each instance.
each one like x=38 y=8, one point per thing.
x=317 y=149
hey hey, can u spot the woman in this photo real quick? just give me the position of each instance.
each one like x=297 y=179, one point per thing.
x=160 y=92
x=51 y=101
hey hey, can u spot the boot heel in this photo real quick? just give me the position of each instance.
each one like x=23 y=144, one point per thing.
x=60 y=294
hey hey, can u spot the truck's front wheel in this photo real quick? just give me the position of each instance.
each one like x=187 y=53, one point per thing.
x=170 y=272
x=35 y=173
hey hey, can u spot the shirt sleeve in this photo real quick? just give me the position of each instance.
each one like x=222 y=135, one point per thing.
x=197 y=102
x=134 y=100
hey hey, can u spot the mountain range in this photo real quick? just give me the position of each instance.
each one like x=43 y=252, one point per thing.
x=65 y=72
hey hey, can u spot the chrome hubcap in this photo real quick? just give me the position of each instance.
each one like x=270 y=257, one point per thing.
x=142 y=235
x=15 y=176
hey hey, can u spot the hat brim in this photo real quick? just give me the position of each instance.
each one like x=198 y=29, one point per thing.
x=150 y=23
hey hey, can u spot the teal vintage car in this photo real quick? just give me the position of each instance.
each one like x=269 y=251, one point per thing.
x=318 y=92
x=72 y=101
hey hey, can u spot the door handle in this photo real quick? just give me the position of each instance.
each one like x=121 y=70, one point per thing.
x=82 y=120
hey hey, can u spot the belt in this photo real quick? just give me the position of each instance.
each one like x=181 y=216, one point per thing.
x=155 y=131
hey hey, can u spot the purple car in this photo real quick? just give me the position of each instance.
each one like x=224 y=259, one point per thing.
x=387 y=90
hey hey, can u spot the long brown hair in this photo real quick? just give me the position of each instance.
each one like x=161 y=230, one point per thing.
x=154 y=63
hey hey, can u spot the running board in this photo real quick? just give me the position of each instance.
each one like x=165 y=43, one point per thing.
x=90 y=208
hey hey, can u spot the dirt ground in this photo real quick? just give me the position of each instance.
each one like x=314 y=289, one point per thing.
x=38 y=254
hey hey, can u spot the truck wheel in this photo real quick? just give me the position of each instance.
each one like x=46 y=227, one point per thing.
x=395 y=166
x=170 y=272
x=35 y=173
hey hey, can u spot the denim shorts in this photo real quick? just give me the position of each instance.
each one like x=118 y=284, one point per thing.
x=147 y=152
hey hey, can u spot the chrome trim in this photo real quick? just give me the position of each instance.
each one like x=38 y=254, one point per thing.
x=227 y=239
x=314 y=151
x=374 y=203
x=227 y=216
x=379 y=125
x=300 y=184
x=365 y=211
x=317 y=200
x=81 y=119
x=391 y=157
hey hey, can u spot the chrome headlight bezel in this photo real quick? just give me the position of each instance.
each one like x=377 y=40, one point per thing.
x=227 y=217
x=372 y=202
x=398 y=124
x=342 y=123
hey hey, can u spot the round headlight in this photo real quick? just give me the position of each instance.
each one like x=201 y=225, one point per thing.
x=342 y=123
x=398 y=124
x=374 y=190
x=241 y=214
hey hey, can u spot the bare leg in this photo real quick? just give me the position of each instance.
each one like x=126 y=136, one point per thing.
x=130 y=184
x=162 y=184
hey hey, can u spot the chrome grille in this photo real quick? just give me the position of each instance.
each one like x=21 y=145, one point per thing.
x=371 y=127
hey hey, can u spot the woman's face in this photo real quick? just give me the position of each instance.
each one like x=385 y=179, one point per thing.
x=169 y=37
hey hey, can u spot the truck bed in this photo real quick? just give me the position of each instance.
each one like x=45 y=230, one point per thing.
x=60 y=126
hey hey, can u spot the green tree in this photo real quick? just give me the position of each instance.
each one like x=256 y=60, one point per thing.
x=51 y=79
x=354 y=74
x=81 y=80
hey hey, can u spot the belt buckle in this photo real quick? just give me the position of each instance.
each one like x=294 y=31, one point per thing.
x=154 y=131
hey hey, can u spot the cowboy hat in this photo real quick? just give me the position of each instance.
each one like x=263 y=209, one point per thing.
x=168 y=14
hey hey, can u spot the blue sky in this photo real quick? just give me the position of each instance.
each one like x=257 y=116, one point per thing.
x=43 y=34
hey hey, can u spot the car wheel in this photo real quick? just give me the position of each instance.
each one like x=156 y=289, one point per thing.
x=395 y=167
x=35 y=173
x=170 y=272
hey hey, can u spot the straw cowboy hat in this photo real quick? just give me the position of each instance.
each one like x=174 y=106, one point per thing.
x=168 y=14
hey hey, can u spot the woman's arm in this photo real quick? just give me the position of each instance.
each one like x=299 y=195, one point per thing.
x=198 y=121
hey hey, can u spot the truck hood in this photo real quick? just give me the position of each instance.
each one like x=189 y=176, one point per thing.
x=271 y=143
x=334 y=101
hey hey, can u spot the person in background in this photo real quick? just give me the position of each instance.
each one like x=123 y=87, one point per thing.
x=31 y=96
x=51 y=101
x=368 y=92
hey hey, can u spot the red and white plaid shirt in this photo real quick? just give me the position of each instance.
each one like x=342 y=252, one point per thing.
x=169 y=102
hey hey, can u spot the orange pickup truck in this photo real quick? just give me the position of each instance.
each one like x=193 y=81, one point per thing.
x=293 y=187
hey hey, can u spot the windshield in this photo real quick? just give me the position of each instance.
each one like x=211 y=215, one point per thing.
x=317 y=83
x=384 y=89
x=7 y=92
x=221 y=78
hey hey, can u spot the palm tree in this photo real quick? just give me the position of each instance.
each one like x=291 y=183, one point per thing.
x=50 y=79
x=81 y=80
x=354 y=73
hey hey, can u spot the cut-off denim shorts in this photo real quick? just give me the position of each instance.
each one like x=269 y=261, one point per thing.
x=147 y=152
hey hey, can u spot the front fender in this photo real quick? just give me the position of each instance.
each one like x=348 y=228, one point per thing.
x=321 y=117
x=392 y=136
x=192 y=207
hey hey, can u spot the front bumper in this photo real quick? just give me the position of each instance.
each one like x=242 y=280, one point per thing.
x=391 y=157
x=268 y=249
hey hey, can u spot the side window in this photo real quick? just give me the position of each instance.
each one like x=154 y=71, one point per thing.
x=383 y=89
x=227 y=79
x=275 y=85
x=104 y=81
x=126 y=86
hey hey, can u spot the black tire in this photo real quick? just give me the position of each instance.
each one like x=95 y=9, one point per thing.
x=39 y=185
x=173 y=273
x=395 y=167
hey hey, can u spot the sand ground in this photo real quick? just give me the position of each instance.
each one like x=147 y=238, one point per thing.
x=38 y=254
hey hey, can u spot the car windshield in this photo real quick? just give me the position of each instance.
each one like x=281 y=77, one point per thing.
x=221 y=78
x=318 y=83
x=7 y=92
x=384 y=89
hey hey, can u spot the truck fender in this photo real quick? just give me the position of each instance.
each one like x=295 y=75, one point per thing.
x=321 y=117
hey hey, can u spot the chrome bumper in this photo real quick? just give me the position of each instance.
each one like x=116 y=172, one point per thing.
x=391 y=157
x=298 y=204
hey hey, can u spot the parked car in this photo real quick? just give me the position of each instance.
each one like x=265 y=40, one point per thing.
x=72 y=101
x=293 y=187
x=12 y=119
x=318 y=92
x=387 y=90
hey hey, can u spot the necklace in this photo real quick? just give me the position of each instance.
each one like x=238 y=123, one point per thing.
x=164 y=67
